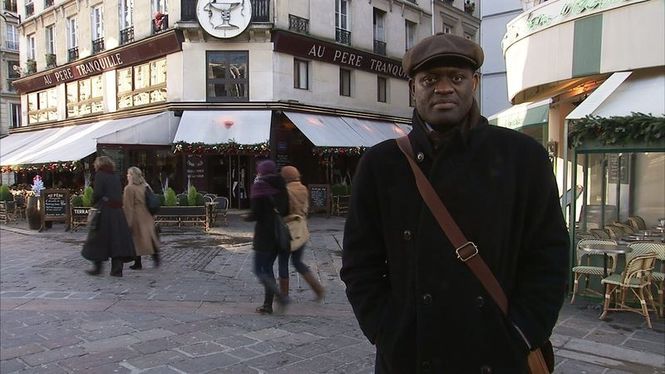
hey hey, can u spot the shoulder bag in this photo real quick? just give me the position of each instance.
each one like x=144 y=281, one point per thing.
x=282 y=234
x=467 y=252
x=151 y=201
x=93 y=219
x=298 y=228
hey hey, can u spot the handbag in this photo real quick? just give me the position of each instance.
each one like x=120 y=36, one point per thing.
x=297 y=225
x=282 y=234
x=467 y=252
x=152 y=202
x=93 y=218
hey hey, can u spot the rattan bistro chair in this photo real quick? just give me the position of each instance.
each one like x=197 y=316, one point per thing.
x=636 y=278
x=584 y=269
x=657 y=276
x=637 y=223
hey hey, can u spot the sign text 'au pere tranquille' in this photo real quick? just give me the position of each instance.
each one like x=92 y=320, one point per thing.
x=84 y=69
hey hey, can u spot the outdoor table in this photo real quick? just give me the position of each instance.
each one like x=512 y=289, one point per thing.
x=605 y=249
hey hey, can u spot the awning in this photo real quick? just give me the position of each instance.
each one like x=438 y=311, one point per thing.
x=224 y=126
x=624 y=93
x=18 y=142
x=522 y=115
x=151 y=130
x=70 y=143
x=333 y=131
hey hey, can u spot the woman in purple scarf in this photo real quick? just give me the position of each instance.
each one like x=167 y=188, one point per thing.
x=268 y=192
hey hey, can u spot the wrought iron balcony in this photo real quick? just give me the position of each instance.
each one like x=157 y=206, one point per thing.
x=298 y=24
x=50 y=60
x=260 y=10
x=29 y=9
x=11 y=44
x=160 y=23
x=48 y=3
x=10 y=6
x=98 y=45
x=72 y=54
x=127 y=35
x=31 y=66
x=343 y=36
x=380 y=47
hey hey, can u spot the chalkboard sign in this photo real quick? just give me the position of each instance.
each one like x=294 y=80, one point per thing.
x=319 y=198
x=55 y=206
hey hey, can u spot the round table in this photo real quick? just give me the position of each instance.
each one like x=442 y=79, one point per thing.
x=605 y=249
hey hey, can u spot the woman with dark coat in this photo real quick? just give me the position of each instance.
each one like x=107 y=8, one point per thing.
x=112 y=237
x=268 y=193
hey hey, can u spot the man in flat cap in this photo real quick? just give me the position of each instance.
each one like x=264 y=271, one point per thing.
x=421 y=304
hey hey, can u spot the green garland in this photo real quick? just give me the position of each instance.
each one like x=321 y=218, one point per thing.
x=225 y=148
x=636 y=128
x=337 y=151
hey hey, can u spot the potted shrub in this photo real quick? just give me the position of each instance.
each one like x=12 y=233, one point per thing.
x=31 y=66
x=7 y=204
x=50 y=60
x=86 y=199
x=170 y=198
x=79 y=212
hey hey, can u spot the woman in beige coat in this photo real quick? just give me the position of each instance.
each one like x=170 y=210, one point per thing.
x=139 y=219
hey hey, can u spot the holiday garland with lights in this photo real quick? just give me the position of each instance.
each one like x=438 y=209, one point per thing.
x=638 y=127
x=338 y=151
x=70 y=166
x=226 y=148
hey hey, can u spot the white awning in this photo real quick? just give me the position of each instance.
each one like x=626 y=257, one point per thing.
x=19 y=142
x=224 y=126
x=157 y=129
x=70 y=143
x=333 y=131
x=522 y=115
x=624 y=93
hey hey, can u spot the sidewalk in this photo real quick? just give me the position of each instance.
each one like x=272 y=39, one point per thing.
x=195 y=313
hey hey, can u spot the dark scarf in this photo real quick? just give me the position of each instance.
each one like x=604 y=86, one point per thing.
x=440 y=138
x=106 y=169
x=265 y=185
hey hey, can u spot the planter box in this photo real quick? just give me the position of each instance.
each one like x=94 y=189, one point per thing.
x=79 y=217
x=7 y=211
x=184 y=216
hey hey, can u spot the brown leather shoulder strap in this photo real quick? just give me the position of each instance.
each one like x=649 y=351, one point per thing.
x=466 y=251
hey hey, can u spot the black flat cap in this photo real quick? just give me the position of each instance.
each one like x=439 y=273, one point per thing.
x=442 y=46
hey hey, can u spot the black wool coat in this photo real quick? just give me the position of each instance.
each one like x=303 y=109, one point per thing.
x=425 y=311
x=262 y=212
x=112 y=238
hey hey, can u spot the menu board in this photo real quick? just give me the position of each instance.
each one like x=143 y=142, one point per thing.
x=195 y=171
x=55 y=206
x=319 y=198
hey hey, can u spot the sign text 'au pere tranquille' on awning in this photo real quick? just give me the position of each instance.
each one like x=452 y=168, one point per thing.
x=314 y=49
x=120 y=57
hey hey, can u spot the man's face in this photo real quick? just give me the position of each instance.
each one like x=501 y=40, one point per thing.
x=444 y=94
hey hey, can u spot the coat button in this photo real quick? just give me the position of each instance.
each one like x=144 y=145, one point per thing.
x=406 y=235
x=427 y=299
x=420 y=157
x=480 y=301
x=427 y=366
x=486 y=370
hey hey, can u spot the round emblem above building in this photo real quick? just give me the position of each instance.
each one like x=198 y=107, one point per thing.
x=224 y=18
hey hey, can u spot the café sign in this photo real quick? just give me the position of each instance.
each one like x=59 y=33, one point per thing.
x=314 y=49
x=136 y=53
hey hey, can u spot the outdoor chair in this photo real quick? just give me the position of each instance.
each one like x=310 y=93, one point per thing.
x=221 y=209
x=637 y=222
x=657 y=277
x=600 y=233
x=627 y=229
x=207 y=199
x=635 y=278
x=584 y=269
x=615 y=232
x=20 y=210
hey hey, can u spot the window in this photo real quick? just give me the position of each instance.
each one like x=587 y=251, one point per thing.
x=13 y=70
x=42 y=106
x=50 y=39
x=97 y=23
x=227 y=76
x=142 y=84
x=159 y=6
x=72 y=32
x=382 y=89
x=342 y=33
x=11 y=41
x=344 y=82
x=126 y=14
x=14 y=115
x=85 y=96
x=447 y=29
x=409 y=35
x=300 y=74
x=379 y=32
x=31 y=47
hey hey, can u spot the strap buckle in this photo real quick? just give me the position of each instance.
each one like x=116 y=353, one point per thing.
x=464 y=257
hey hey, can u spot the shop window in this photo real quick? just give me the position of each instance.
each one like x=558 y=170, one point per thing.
x=14 y=115
x=142 y=84
x=382 y=89
x=345 y=82
x=227 y=76
x=42 y=106
x=85 y=96
x=300 y=74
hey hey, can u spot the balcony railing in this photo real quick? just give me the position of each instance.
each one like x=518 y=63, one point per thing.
x=127 y=35
x=98 y=45
x=380 y=47
x=260 y=10
x=298 y=24
x=10 y=6
x=29 y=9
x=188 y=10
x=48 y=3
x=10 y=87
x=50 y=60
x=31 y=66
x=160 y=23
x=11 y=44
x=343 y=36
x=72 y=53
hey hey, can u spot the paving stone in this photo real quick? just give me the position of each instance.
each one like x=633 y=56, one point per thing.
x=156 y=359
x=51 y=368
x=243 y=353
x=202 y=349
x=273 y=361
x=52 y=355
x=152 y=334
x=267 y=334
x=110 y=343
x=161 y=370
x=21 y=350
x=202 y=364
x=11 y=366
x=236 y=341
x=85 y=362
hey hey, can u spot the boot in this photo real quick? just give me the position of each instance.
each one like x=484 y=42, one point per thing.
x=96 y=268
x=315 y=285
x=271 y=286
x=284 y=286
x=156 y=259
x=266 y=308
x=116 y=267
x=137 y=264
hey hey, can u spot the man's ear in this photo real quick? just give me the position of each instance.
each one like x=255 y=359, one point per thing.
x=476 y=79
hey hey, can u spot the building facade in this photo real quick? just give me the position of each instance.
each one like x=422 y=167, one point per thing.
x=310 y=83
x=10 y=104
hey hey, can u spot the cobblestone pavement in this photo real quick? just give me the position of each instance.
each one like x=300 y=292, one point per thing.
x=195 y=313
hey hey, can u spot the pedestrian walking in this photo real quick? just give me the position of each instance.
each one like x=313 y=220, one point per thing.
x=417 y=296
x=268 y=194
x=140 y=221
x=298 y=208
x=111 y=238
